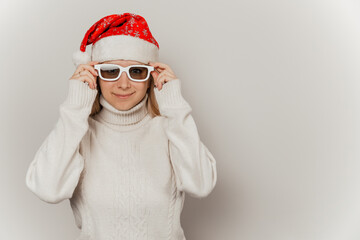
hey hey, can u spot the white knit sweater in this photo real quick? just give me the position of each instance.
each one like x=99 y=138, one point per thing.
x=124 y=172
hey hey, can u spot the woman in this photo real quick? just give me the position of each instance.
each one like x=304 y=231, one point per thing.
x=125 y=149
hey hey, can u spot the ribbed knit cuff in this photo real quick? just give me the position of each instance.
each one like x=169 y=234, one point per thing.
x=80 y=94
x=170 y=95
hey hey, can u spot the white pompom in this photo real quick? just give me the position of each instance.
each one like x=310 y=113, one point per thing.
x=80 y=57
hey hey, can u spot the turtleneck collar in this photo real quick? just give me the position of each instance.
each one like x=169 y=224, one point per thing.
x=110 y=114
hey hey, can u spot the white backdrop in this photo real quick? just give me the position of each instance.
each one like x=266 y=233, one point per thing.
x=274 y=87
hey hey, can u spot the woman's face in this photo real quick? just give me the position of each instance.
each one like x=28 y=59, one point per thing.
x=123 y=86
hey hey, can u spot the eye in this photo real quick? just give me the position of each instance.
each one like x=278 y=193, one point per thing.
x=111 y=71
x=136 y=70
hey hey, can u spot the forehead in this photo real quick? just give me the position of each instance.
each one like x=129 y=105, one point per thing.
x=123 y=62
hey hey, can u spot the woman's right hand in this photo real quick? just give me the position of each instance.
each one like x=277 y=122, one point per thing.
x=86 y=73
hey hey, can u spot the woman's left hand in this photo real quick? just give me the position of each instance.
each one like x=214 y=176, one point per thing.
x=162 y=74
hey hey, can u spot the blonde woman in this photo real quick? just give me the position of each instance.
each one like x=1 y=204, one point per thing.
x=125 y=149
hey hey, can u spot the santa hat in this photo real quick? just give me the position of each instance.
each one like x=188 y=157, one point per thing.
x=126 y=36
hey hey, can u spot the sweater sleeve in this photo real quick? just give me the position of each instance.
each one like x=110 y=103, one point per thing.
x=194 y=166
x=54 y=172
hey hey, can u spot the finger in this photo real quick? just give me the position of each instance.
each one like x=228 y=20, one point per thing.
x=171 y=75
x=160 y=82
x=87 y=79
x=93 y=62
x=83 y=67
x=91 y=69
x=157 y=83
x=161 y=66
x=89 y=74
x=160 y=76
x=94 y=79
x=155 y=75
x=166 y=72
x=156 y=80
x=163 y=79
x=83 y=79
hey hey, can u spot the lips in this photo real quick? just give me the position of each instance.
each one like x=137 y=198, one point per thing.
x=123 y=95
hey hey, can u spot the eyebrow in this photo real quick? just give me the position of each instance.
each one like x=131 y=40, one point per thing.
x=129 y=65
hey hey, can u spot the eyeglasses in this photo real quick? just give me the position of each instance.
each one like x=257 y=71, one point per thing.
x=112 y=72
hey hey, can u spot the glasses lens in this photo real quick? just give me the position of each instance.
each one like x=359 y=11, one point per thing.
x=138 y=73
x=109 y=72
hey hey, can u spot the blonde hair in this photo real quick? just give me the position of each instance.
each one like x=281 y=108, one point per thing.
x=152 y=105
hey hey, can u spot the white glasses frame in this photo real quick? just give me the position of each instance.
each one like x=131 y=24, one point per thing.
x=123 y=69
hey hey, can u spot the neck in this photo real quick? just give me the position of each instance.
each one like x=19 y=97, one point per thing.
x=111 y=115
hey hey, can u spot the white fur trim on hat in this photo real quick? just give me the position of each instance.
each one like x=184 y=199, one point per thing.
x=124 y=47
x=80 y=57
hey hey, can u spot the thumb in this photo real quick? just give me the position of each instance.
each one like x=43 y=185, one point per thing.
x=155 y=75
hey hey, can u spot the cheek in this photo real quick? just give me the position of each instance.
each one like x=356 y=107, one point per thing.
x=105 y=88
x=141 y=86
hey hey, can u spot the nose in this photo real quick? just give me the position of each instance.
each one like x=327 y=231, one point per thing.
x=123 y=81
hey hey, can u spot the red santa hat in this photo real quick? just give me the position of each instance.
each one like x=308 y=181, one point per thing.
x=126 y=36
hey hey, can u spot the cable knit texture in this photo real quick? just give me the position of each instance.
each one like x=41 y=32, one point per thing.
x=125 y=173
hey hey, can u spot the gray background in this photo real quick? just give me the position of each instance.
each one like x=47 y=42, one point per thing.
x=274 y=87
